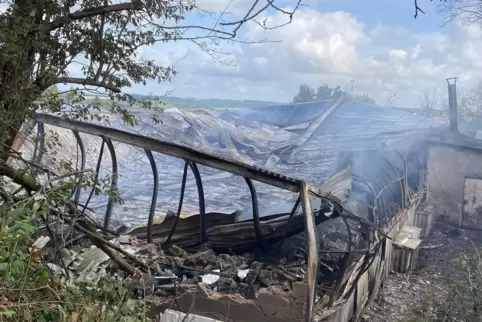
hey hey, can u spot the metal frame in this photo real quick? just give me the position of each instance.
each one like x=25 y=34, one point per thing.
x=110 y=203
x=155 y=189
x=81 y=146
x=192 y=158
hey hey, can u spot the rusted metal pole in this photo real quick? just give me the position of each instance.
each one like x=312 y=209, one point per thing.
x=451 y=86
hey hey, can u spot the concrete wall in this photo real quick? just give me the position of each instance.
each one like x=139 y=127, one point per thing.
x=447 y=168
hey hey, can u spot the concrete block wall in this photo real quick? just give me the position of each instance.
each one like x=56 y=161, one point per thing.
x=447 y=169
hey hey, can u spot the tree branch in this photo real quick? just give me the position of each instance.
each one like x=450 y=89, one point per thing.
x=86 y=82
x=92 y=12
x=417 y=9
x=19 y=178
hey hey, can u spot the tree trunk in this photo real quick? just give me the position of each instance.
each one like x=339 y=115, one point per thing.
x=17 y=61
x=17 y=96
x=11 y=124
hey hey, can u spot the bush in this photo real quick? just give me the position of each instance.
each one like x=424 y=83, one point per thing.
x=29 y=290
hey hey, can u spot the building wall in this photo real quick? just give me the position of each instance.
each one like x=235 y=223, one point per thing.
x=447 y=169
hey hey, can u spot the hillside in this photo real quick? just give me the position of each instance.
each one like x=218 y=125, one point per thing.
x=205 y=103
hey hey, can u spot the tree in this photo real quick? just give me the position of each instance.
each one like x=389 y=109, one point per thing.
x=427 y=100
x=41 y=39
x=364 y=98
x=305 y=94
x=470 y=102
x=324 y=92
x=466 y=11
x=389 y=100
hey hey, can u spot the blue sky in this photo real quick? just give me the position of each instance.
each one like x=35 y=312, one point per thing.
x=395 y=13
x=375 y=43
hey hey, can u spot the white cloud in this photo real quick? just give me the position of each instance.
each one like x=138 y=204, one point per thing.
x=230 y=7
x=318 y=48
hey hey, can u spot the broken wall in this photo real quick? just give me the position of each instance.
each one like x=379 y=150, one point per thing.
x=447 y=168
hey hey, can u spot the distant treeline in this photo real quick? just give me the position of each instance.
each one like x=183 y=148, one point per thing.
x=324 y=92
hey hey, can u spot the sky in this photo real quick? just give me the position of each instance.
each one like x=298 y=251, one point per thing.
x=374 y=47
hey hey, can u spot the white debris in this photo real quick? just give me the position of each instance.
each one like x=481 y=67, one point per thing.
x=128 y=240
x=210 y=279
x=93 y=254
x=176 y=316
x=41 y=242
x=242 y=273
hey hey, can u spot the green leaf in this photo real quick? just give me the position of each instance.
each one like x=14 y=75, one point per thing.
x=35 y=207
x=16 y=214
x=3 y=267
x=128 y=319
x=44 y=276
x=8 y=314
x=131 y=304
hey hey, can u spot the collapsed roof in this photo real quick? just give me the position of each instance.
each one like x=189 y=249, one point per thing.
x=340 y=146
x=302 y=141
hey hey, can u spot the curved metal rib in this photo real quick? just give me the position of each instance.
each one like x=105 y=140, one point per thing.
x=152 y=210
x=202 y=205
x=80 y=143
x=346 y=260
x=96 y=177
x=179 y=208
x=293 y=211
x=110 y=204
x=256 y=222
x=35 y=148
x=288 y=222
x=402 y=189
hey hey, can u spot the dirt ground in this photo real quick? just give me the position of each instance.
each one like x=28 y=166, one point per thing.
x=403 y=297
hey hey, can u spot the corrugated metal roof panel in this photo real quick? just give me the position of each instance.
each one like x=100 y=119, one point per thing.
x=281 y=115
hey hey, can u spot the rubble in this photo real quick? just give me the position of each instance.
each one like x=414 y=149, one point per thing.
x=174 y=267
x=405 y=296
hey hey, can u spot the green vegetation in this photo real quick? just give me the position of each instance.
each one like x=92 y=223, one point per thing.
x=464 y=299
x=31 y=293
x=30 y=290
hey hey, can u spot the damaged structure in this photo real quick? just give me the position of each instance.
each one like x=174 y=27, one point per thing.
x=325 y=204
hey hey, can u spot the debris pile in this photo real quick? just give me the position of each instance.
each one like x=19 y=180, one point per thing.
x=174 y=268
x=173 y=274
x=223 y=273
